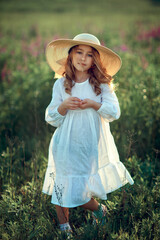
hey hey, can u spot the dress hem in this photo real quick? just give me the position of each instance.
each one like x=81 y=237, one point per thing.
x=73 y=206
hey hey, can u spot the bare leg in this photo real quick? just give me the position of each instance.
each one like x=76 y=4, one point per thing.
x=91 y=205
x=62 y=214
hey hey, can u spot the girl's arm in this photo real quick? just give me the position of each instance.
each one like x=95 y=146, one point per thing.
x=109 y=109
x=52 y=115
x=57 y=109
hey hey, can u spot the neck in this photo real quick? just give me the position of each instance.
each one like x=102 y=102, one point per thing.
x=81 y=76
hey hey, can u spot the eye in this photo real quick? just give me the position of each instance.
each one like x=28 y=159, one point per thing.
x=89 y=55
x=79 y=52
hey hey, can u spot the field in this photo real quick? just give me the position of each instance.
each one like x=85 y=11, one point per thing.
x=130 y=28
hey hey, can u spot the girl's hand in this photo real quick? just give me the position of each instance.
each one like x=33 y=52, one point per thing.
x=86 y=103
x=71 y=103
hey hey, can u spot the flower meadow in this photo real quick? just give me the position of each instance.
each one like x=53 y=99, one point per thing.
x=25 y=91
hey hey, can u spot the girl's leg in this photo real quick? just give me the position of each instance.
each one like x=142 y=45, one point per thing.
x=62 y=214
x=63 y=217
x=98 y=211
x=91 y=205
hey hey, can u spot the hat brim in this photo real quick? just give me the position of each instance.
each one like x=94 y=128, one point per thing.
x=57 y=52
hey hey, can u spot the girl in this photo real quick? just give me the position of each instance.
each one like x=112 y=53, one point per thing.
x=83 y=159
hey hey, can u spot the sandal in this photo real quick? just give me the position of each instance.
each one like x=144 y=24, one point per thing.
x=99 y=216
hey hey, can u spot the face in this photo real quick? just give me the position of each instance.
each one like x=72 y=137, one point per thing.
x=82 y=58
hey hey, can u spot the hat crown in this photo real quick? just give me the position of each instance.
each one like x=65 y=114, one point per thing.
x=87 y=38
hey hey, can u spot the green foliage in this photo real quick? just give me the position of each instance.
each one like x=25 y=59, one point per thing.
x=133 y=211
x=25 y=91
x=138 y=92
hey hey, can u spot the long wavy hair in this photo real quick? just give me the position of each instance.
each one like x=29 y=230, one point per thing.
x=97 y=72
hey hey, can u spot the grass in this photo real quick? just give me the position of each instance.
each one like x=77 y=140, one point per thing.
x=71 y=17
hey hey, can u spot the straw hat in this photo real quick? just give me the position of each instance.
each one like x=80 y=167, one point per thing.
x=57 y=52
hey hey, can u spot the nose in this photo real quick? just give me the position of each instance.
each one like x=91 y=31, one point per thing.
x=83 y=57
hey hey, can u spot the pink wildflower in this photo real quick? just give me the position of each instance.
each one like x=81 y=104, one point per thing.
x=102 y=43
x=151 y=34
x=3 y=50
x=5 y=73
x=158 y=49
x=56 y=36
x=144 y=62
x=123 y=48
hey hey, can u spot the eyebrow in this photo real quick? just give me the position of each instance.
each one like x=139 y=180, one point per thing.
x=83 y=50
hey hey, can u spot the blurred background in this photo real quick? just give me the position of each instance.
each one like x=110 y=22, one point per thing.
x=131 y=29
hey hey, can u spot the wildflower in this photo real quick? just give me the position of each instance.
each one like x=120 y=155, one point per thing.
x=102 y=43
x=56 y=36
x=2 y=50
x=144 y=62
x=123 y=48
x=144 y=97
x=151 y=34
x=5 y=73
x=158 y=49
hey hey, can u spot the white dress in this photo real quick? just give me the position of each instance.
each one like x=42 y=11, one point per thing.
x=83 y=159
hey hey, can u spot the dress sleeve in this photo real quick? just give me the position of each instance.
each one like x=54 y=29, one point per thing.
x=52 y=116
x=109 y=109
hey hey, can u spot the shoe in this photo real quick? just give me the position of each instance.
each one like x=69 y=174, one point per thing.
x=99 y=216
x=66 y=230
